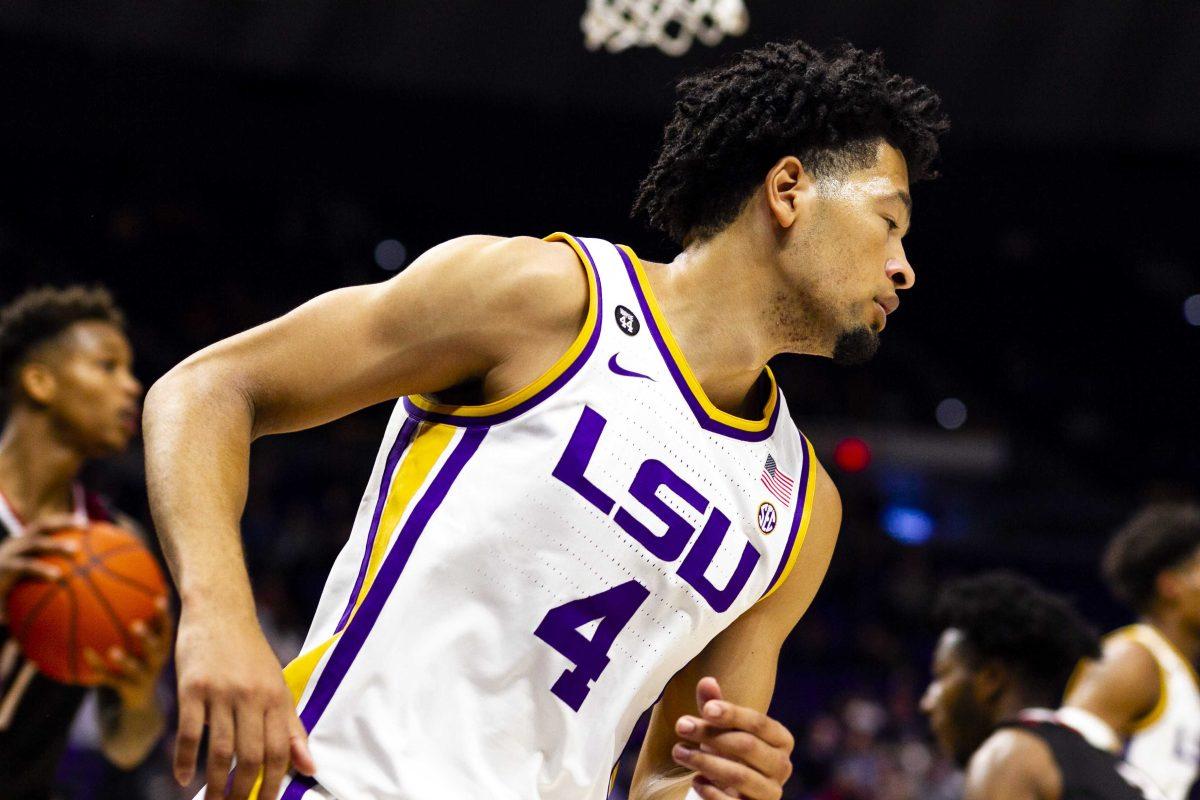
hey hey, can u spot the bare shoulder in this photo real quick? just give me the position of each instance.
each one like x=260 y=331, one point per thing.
x=521 y=279
x=1015 y=765
x=1122 y=687
x=1129 y=656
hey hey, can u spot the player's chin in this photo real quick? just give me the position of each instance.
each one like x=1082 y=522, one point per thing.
x=109 y=442
x=856 y=345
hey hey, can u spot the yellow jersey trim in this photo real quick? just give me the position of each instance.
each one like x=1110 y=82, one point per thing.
x=548 y=377
x=425 y=452
x=716 y=414
x=806 y=517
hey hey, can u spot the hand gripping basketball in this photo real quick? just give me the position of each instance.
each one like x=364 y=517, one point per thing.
x=230 y=679
x=737 y=752
x=80 y=589
x=18 y=559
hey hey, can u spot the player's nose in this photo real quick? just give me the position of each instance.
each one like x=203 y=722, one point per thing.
x=900 y=273
x=927 y=701
x=132 y=385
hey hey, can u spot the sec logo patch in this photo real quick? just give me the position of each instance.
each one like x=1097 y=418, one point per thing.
x=766 y=518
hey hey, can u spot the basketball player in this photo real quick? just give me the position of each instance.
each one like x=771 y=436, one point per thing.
x=1144 y=695
x=1003 y=660
x=69 y=397
x=591 y=499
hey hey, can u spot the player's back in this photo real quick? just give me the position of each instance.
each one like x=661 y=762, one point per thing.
x=1088 y=772
x=525 y=577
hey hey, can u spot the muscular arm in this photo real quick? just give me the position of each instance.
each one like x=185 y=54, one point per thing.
x=1013 y=765
x=743 y=658
x=1121 y=689
x=462 y=312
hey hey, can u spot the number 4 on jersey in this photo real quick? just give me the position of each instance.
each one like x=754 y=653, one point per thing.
x=560 y=629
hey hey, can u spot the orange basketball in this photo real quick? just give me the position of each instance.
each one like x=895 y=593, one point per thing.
x=109 y=583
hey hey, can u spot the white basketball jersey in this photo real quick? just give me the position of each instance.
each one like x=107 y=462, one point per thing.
x=1166 y=744
x=524 y=577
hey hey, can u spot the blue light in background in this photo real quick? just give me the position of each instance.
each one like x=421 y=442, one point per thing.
x=906 y=524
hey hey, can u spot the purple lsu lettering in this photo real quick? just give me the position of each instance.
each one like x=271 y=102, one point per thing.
x=616 y=606
x=669 y=545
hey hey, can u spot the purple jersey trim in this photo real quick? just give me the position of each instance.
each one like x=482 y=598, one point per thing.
x=403 y=439
x=554 y=386
x=706 y=422
x=801 y=492
x=296 y=787
x=355 y=634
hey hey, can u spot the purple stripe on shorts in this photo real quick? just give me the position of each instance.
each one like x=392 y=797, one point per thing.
x=296 y=787
x=797 y=516
x=555 y=385
x=347 y=648
x=393 y=458
x=706 y=422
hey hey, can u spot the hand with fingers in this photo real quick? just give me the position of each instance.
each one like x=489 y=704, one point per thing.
x=133 y=676
x=735 y=751
x=230 y=679
x=18 y=554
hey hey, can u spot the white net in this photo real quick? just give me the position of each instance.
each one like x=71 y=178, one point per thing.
x=669 y=25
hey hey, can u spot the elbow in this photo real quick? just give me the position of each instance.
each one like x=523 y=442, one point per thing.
x=191 y=388
x=168 y=394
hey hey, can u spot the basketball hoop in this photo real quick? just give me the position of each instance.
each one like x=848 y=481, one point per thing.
x=669 y=25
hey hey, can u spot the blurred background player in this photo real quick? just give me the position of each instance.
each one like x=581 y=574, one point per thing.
x=1005 y=654
x=1143 y=695
x=69 y=396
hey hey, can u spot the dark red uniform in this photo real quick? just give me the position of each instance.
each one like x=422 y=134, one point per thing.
x=35 y=712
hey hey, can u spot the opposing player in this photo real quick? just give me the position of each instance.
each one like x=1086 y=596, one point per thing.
x=69 y=396
x=1143 y=697
x=592 y=498
x=1002 y=662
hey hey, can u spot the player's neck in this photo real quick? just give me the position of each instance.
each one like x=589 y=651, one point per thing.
x=1173 y=628
x=36 y=467
x=717 y=314
x=1014 y=701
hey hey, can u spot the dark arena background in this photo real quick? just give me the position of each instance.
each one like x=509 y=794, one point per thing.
x=216 y=164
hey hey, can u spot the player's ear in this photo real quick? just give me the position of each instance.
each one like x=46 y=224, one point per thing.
x=1168 y=585
x=791 y=192
x=38 y=382
x=989 y=682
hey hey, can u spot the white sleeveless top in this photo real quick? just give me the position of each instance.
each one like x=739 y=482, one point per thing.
x=1166 y=743
x=524 y=577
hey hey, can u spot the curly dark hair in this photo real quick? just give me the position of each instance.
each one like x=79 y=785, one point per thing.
x=1161 y=536
x=38 y=316
x=1008 y=618
x=732 y=123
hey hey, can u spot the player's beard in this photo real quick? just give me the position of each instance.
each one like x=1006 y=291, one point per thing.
x=855 y=346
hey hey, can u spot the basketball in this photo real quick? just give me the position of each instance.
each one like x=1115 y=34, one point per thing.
x=109 y=583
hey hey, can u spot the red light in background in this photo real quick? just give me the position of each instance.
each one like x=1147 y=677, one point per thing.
x=852 y=454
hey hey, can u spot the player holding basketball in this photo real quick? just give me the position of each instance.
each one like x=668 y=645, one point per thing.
x=592 y=498
x=1002 y=662
x=1144 y=696
x=69 y=397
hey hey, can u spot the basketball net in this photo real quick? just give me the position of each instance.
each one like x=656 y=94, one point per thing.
x=669 y=25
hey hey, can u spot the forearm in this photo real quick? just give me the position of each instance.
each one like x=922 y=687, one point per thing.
x=129 y=730
x=671 y=786
x=198 y=429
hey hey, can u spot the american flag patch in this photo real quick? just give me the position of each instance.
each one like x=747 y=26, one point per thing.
x=778 y=482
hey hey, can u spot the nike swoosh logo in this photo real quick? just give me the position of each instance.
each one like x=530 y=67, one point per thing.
x=617 y=368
